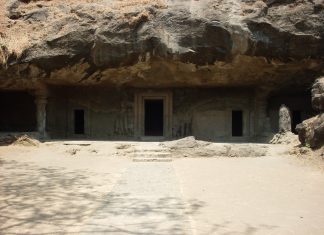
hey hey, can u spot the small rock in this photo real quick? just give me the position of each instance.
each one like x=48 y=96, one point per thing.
x=73 y=151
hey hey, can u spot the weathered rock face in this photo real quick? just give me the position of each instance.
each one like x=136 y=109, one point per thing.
x=318 y=94
x=162 y=43
x=311 y=131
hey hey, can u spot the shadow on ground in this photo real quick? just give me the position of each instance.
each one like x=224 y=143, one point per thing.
x=51 y=200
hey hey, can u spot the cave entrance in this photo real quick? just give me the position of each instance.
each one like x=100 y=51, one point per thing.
x=153 y=118
x=153 y=114
x=237 y=123
x=296 y=118
x=79 y=121
x=18 y=112
x=298 y=102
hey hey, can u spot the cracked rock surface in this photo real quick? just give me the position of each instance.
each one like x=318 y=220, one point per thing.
x=212 y=42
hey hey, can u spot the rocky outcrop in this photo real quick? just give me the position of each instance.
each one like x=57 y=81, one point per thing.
x=311 y=131
x=318 y=94
x=156 y=42
x=190 y=147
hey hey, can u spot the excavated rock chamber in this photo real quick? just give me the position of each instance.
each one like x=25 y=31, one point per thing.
x=216 y=70
x=18 y=112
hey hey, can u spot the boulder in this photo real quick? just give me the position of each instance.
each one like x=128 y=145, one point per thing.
x=311 y=131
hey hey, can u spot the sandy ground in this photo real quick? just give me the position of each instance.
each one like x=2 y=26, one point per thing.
x=96 y=188
x=270 y=195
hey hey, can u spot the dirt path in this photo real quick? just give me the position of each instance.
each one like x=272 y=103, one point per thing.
x=146 y=200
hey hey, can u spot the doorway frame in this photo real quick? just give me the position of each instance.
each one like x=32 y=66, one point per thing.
x=70 y=121
x=140 y=98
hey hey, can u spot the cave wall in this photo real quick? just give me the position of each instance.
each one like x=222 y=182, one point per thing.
x=207 y=113
x=109 y=113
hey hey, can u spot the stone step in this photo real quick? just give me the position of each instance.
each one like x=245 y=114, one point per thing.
x=152 y=150
x=152 y=138
x=154 y=155
x=152 y=160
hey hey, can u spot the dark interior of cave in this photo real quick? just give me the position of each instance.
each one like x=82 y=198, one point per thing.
x=298 y=102
x=79 y=121
x=237 y=123
x=296 y=118
x=18 y=112
x=154 y=118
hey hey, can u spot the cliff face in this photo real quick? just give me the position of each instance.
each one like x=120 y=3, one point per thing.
x=161 y=43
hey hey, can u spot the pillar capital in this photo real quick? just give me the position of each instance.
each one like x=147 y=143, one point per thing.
x=262 y=92
x=41 y=91
x=40 y=100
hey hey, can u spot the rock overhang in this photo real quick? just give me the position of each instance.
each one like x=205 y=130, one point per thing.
x=186 y=43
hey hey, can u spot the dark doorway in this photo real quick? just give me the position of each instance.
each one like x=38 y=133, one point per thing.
x=296 y=119
x=79 y=121
x=237 y=123
x=18 y=112
x=154 y=118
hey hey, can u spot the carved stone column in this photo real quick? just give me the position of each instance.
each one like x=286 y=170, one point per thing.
x=41 y=102
x=284 y=119
x=260 y=106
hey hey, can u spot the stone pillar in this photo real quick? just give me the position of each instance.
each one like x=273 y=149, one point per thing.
x=261 y=122
x=41 y=102
x=284 y=119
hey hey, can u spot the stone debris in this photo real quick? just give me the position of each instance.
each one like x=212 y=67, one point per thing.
x=123 y=146
x=93 y=151
x=285 y=138
x=73 y=151
x=23 y=140
x=190 y=147
x=301 y=152
x=187 y=142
